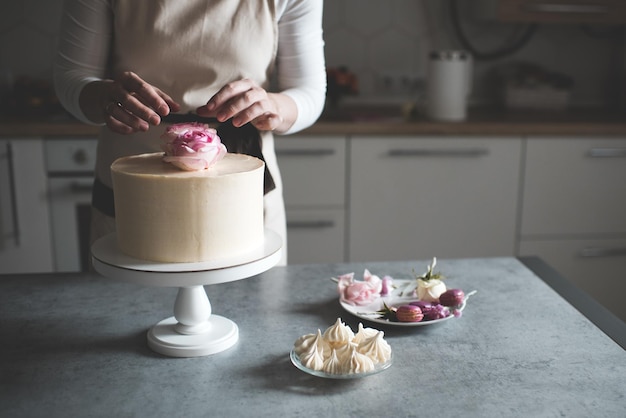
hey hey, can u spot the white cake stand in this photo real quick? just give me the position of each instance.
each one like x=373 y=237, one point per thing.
x=193 y=331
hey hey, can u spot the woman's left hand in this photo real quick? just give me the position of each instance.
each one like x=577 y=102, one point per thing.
x=246 y=102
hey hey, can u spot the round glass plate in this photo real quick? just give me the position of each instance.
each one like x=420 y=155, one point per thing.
x=318 y=373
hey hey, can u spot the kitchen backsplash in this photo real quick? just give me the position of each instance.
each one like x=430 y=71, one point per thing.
x=385 y=43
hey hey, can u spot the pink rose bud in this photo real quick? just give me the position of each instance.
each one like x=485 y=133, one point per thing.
x=386 y=285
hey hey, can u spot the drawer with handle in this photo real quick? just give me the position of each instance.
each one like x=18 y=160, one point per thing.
x=315 y=235
x=597 y=266
x=574 y=186
x=313 y=170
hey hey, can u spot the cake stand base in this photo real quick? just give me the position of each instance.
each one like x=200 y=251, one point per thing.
x=193 y=331
x=221 y=334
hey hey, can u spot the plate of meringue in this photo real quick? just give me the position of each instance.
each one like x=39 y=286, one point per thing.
x=339 y=353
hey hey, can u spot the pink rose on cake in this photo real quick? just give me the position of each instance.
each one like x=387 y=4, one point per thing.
x=192 y=146
x=355 y=292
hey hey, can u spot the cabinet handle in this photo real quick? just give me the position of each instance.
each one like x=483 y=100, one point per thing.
x=607 y=152
x=313 y=152
x=310 y=224
x=465 y=152
x=565 y=8
x=592 y=252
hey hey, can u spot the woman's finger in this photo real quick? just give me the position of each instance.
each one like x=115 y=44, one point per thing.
x=136 y=86
x=171 y=105
x=130 y=104
x=267 y=122
x=135 y=106
x=243 y=101
x=246 y=107
x=221 y=100
x=121 y=120
x=142 y=99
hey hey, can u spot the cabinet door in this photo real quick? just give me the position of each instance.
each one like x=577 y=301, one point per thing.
x=419 y=197
x=574 y=186
x=597 y=266
x=24 y=221
x=315 y=236
x=313 y=170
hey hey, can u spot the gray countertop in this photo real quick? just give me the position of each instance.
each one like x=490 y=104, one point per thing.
x=75 y=345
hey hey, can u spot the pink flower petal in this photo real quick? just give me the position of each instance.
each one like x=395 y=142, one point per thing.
x=192 y=146
x=356 y=292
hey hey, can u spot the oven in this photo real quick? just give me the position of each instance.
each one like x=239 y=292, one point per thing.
x=70 y=169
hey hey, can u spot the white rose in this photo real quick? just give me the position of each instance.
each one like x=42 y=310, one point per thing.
x=430 y=290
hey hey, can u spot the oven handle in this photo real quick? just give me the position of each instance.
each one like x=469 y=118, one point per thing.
x=13 y=197
x=80 y=188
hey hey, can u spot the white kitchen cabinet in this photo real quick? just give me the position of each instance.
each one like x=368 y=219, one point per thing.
x=313 y=171
x=25 y=243
x=315 y=235
x=419 y=197
x=597 y=266
x=574 y=186
x=574 y=212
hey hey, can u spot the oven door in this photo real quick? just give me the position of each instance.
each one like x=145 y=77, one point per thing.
x=24 y=217
x=70 y=212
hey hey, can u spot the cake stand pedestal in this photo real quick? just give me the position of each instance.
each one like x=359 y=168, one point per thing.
x=193 y=331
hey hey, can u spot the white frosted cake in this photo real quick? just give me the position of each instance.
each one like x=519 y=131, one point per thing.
x=167 y=214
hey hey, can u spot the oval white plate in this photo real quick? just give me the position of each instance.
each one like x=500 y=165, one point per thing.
x=368 y=312
x=318 y=373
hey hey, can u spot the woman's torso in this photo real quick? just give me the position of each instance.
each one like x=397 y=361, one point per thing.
x=189 y=49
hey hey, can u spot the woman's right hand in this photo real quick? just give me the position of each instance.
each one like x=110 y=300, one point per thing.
x=127 y=104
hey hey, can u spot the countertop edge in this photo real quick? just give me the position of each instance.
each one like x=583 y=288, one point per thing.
x=604 y=319
x=484 y=128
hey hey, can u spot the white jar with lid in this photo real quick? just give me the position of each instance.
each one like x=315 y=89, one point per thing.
x=449 y=85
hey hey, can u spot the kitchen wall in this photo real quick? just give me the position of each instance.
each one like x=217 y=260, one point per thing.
x=28 y=34
x=384 y=42
x=379 y=40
